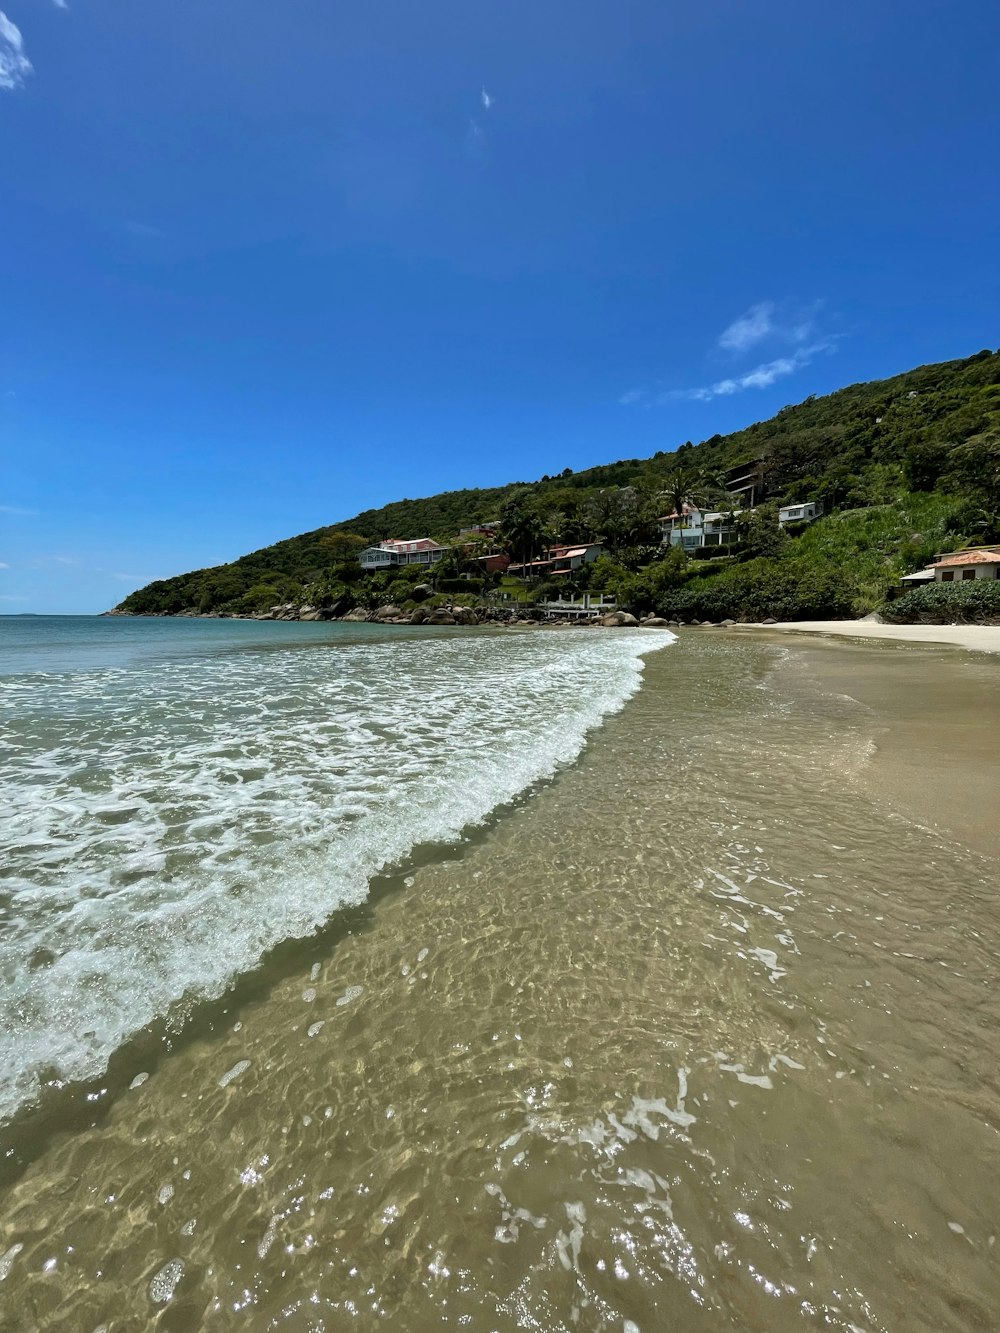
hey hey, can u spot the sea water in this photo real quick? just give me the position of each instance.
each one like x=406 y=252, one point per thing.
x=181 y=796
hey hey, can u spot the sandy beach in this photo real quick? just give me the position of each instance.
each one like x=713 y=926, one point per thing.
x=714 y=1002
x=978 y=638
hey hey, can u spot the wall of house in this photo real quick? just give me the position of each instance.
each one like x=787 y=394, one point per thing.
x=962 y=571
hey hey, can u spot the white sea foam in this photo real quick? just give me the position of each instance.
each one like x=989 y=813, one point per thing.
x=167 y=824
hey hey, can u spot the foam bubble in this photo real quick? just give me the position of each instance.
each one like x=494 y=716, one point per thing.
x=164 y=1283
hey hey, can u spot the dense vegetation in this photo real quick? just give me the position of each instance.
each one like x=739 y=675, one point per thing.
x=905 y=467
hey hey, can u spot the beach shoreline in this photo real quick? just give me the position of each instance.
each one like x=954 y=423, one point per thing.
x=977 y=638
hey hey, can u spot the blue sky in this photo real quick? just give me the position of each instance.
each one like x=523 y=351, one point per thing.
x=263 y=267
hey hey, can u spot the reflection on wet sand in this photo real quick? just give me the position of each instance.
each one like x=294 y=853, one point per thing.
x=701 y=1036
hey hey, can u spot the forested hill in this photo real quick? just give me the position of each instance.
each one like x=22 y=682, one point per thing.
x=868 y=446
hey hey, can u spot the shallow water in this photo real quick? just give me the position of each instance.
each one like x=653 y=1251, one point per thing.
x=701 y=1034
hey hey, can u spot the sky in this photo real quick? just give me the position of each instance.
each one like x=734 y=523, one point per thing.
x=264 y=267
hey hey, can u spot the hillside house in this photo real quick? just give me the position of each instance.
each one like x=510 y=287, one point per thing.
x=748 y=481
x=559 y=561
x=983 y=562
x=694 y=528
x=800 y=513
x=394 y=553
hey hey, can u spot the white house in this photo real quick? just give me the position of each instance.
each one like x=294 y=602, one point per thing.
x=390 y=554
x=693 y=528
x=800 y=513
x=983 y=562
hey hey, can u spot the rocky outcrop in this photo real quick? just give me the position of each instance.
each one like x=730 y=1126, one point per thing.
x=359 y=613
x=389 y=612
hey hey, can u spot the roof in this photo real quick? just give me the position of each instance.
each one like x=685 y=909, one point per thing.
x=967 y=558
x=918 y=575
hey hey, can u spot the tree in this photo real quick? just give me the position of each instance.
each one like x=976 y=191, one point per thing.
x=521 y=528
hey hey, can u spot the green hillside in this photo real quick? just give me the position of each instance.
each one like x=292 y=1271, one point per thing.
x=905 y=467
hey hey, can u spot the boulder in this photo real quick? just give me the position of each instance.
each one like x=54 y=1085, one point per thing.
x=419 y=615
x=359 y=613
x=626 y=619
x=655 y=622
x=421 y=592
x=725 y=624
x=312 y=614
x=440 y=616
x=769 y=621
x=389 y=612
x=464 y=615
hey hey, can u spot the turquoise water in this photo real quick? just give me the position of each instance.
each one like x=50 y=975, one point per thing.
x=181 y=796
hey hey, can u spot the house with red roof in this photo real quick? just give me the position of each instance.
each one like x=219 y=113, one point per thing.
x=393 y=553
x=981 y=562
x=558 y=561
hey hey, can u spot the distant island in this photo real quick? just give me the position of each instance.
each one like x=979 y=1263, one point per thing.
x=834 y=508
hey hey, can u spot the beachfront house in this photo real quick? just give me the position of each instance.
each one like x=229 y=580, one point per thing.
x=558 y=561
x=982 y=562
x=800 y=513
x=695 y=528
x=393 y=553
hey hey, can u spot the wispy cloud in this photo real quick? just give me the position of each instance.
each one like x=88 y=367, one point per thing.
x=135 y=579
x=62 y=559
x=767 y=321
x=760 y=377
x=4 y=564
x=9 y=597
x=14 y=64
x=60 y=4
x=791 y=329
x=749 y=329
x=486 y=99
x=143 y=229
x=16 y=509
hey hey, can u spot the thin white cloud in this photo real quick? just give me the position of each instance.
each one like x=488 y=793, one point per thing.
x=486 y=99
x=60 y=4
x=633 y=396
x=761 y=377
x=16 y=509
x=14 y=64
x=134 y=579
x=63 y=559
x=4 y=564
x=9 y=597
x=767 y=321
x=749 y=329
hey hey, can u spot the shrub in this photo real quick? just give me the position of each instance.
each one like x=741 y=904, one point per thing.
x=761 y=589
x=971 y=603
x=459 y=585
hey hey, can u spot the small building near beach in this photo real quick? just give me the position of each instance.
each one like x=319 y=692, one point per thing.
x=393 y=553
x=982 y=562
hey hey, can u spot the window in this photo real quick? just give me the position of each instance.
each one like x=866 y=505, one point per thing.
x=968 y=573
x=947 y=575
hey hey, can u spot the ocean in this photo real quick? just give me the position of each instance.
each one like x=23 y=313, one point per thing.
x=181 y=796
x=585 y=980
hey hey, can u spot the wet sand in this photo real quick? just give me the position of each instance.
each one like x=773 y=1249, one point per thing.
x=702 y=1035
